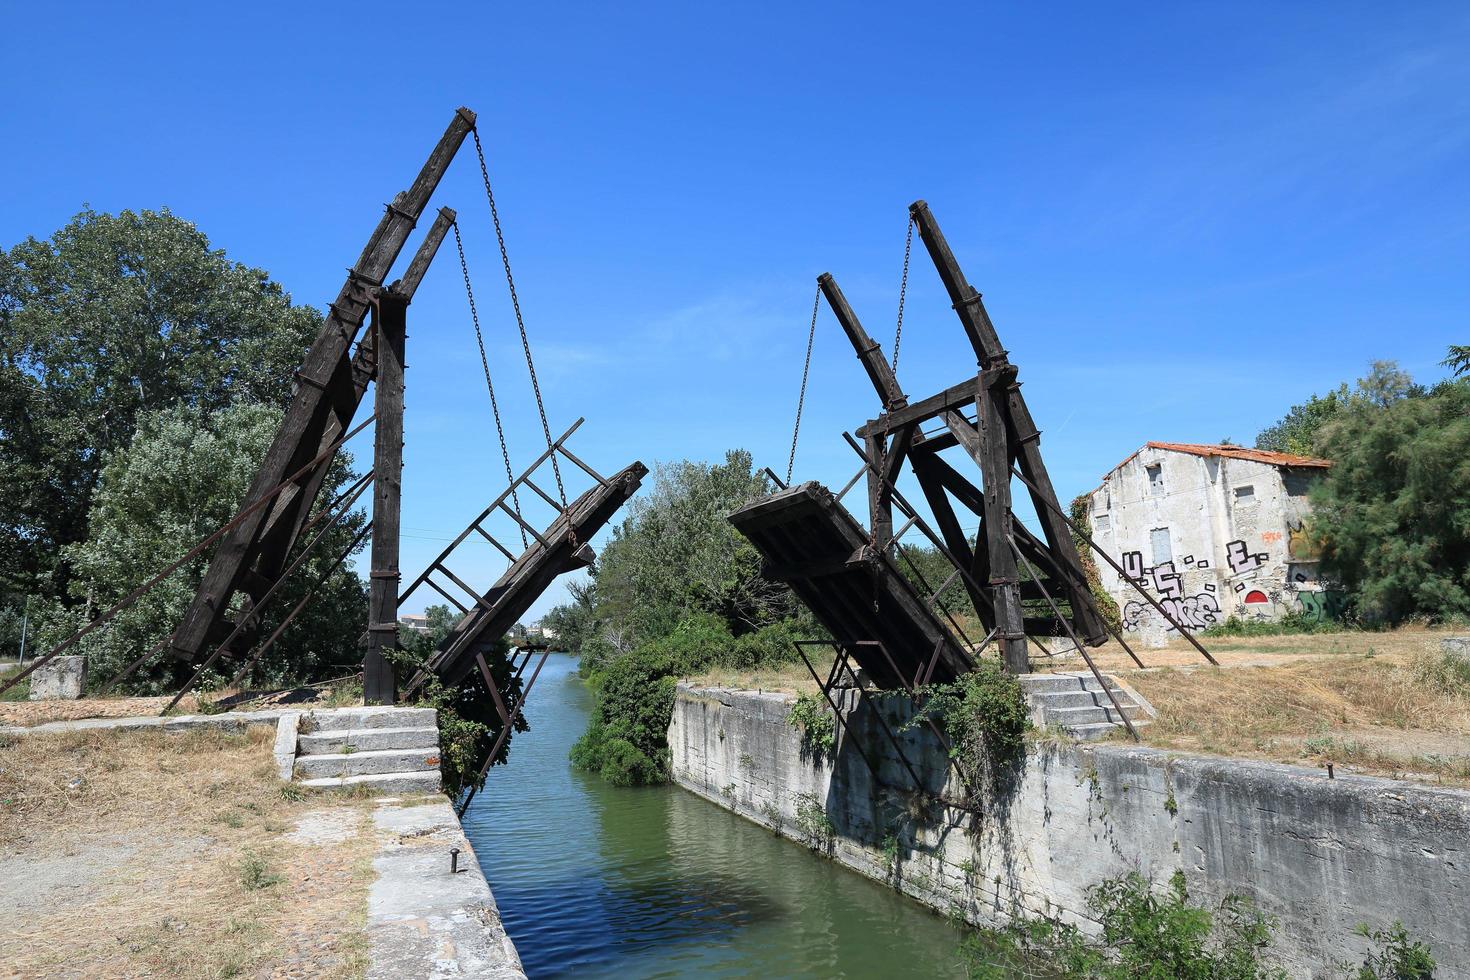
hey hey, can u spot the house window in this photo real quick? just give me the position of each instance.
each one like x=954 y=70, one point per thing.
x=1101 y=523
x=1245 y=495
x=1163 y=551
x=1155 y=479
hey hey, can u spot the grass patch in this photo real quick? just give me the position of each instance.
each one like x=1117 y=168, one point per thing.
x=178 y=861
x=1400 y=714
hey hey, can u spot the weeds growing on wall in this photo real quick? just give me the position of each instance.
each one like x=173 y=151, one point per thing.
x=1145 y=933
x=1106 y=604
x=984 y=716
x=812 y=716
x=1163 y=932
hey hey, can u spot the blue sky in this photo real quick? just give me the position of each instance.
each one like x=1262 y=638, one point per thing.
x=1184 y=218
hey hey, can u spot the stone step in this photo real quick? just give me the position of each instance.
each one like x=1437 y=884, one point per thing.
x=367 y=763
x=1052 y=700
x=385 y=782
x=1099 y=730
x=1059 y=683
x=1070 y=718
x=367 y=740
x=324 y=720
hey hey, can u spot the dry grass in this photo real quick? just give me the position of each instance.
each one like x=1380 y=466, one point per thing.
x=1394 y=714
x=152 y=854
x=1376 y=703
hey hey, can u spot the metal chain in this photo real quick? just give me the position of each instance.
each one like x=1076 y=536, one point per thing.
x=903 y=288
x=485 y=363
x=520 y=321
x=801 y=398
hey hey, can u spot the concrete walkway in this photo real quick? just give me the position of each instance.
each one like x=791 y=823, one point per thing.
x=423 y=920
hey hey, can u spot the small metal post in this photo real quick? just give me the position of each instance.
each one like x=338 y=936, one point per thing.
x=454 y=860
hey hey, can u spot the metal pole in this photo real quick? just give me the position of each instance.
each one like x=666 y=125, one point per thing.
x=25 y=624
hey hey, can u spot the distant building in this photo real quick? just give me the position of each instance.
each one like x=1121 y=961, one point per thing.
x=414 y=622
x=1212 y=532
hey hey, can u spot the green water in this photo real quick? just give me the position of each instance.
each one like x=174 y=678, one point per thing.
x=595 y=881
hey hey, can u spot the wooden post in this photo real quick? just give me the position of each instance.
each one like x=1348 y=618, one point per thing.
x=995 y=465
x=389 y=319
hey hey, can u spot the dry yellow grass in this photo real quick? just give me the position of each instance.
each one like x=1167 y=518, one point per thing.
x=1364 y=701
x=1382 y=714
x=150 y=854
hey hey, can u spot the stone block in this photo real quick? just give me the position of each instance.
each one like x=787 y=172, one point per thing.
x=1456 y=648
x=62 y=679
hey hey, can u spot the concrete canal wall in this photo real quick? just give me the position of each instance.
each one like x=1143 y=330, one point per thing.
x=1321 y=855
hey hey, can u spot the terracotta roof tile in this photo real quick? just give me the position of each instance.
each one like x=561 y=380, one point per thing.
x=1230 y=452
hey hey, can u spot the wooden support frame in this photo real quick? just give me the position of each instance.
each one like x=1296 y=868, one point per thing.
x=319 y=405
x=1002 y=434
x=390 y=315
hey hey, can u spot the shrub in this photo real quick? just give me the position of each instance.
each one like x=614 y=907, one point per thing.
x=1144 y=934
x=634 y=693
x=984 y=715
x=1291 y=624
x=626 y=739
x=812 y=716
x=1395 y=957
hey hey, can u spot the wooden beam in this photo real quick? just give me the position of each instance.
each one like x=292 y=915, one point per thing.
x=390 y=324
x=300 y=435
x=1023 y=436
x=950 y=398
x=885 y=383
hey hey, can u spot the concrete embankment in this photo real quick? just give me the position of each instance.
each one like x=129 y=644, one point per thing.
x=1320 y=855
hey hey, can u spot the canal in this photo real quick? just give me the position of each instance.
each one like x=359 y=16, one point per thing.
x=596 y=881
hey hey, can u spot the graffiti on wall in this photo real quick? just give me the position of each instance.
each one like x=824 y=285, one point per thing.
x=1241 y=559
x=1325 y=606
x=1196 y=612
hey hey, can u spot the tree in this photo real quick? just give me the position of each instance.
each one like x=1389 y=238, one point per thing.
x=1392 y=515
x=113 y=317
x=1458 y=359
x=185 y=473
x=676 y=554
x=1300 y=431
x=1297 y=432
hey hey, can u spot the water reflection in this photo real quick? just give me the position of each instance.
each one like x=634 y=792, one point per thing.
x=594 y=881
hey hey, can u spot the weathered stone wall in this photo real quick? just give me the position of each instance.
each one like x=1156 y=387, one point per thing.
x=1321 y=855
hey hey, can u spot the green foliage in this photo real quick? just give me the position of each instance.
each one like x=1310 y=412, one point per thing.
x=1395 y=956
x=812 y=716
x=926 y=569
x=1304 y=428
x=984 y=715
x=626 y=739
x=1392 y=515
x=676 y=555
x=1297 y=432
x=112 y=318
x=1144 y=934
x=1457 y=359
x=255 y=873
x=468 y=722
x=812 y=822
x=574 y=622
x=1107 y=606
x=1293 y=623
x=184 y=473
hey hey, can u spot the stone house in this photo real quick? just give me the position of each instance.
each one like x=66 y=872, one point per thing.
x=1212 y=532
